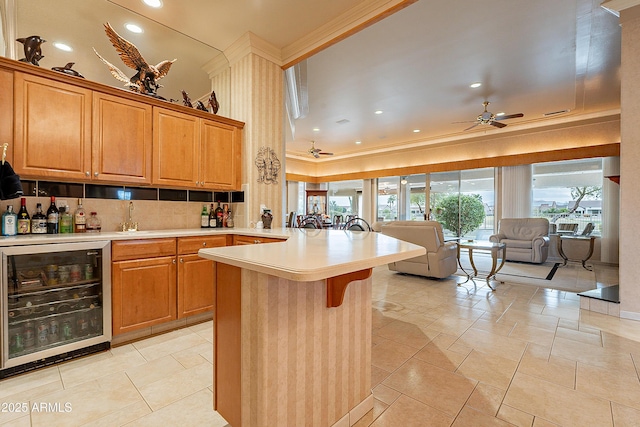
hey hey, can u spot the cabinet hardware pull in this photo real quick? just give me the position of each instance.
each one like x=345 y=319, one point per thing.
x=95 y=174
x=181 y=260
x=174 y=261
x=87 y=173
x=204 y=244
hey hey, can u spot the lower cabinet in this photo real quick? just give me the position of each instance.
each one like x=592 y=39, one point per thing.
x=250 y=240
x=155 y=281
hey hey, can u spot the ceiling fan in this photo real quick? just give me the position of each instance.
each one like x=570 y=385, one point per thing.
x=488 y=118
x=316 y=152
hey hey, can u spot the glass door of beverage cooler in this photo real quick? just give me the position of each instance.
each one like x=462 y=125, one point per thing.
x=55 y=299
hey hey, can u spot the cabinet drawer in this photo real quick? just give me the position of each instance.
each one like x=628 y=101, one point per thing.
x=191 y=245
x=144 y=248
x=253 y=240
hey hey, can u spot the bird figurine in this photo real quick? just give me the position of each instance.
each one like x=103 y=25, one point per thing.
x=213 y=103
x=146 y=78
x=32 y=49
x=67 y=70
x=200 y=106
x=186 y=101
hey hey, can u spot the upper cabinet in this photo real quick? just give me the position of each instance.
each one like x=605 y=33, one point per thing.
x=121 y=143
x=52 y=125
x=195 y=152
x=71 y=129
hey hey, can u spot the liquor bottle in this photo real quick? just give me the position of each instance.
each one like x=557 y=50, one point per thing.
x=66 y=220
x=213 y=223
x=9 y=222
x=230 y=220
x=53 y=217
x=79 y=219
x=94 y=224
x=24 y=221
x=204 y=217
x=39 y=221
x=225 y=215
x=219 y=216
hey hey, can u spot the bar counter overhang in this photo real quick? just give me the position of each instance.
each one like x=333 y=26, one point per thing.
x=292 y=326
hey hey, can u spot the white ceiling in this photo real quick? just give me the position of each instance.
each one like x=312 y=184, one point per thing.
x=533 y=57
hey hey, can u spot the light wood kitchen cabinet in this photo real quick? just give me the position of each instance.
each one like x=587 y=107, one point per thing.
x=121 y=140
x=251 y=240
x=52 y=125
x=196 y=276
x=6 y=111
x=195 y=153
x=143 y=283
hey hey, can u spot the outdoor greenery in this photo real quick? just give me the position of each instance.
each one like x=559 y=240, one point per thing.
x=460 y=214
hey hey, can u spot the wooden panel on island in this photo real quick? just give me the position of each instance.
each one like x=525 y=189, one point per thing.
x=283 y=358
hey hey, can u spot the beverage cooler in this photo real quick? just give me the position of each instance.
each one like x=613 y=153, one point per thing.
x=56 y=303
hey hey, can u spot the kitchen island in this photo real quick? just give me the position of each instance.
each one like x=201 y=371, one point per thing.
x=292 y=326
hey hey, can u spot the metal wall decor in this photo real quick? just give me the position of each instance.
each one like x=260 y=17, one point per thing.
x=268 y=165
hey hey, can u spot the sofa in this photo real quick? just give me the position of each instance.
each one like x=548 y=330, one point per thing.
x=441 y=259
x=527 y=239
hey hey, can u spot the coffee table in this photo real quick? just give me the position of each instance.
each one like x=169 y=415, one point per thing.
x=493 y=248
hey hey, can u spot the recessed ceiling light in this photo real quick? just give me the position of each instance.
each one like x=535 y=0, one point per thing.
x=416 y=130
x=63 y=46
x=378 y=112
x=316 y=129
x=133 y=28
x=475 y=85
x=153 y=3
x=358 y=142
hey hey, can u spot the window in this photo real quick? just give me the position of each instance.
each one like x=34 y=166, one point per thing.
x=345 y=198
x=569 y=192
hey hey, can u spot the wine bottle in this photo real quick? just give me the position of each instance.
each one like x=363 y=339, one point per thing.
x=53 y=217
x=212 y=217
x=39 y=221
x=204 y=217
x=24 y=221
x=219 y=216
x=225 y=215
x=79 y=219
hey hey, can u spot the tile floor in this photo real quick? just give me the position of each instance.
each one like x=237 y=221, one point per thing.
x=442 y=356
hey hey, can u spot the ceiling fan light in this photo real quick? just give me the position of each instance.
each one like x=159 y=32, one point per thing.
x=475 y=85
x=153 y=3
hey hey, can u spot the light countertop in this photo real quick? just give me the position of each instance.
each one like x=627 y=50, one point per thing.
x=310 y=254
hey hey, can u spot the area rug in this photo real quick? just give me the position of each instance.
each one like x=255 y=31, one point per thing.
x=571 y=277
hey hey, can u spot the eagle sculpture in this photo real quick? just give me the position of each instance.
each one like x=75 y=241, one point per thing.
x=146 y=78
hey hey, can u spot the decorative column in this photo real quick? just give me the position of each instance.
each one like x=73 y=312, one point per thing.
x=256 y=91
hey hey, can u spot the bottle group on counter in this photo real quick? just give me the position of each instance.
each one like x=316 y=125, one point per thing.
x=56 y=220
x=219 y=217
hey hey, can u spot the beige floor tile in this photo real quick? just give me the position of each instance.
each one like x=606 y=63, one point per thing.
x=368 y=418
x=166 y=347
x=553 y=369
x=541 y=422
x=487 y=342
x=515 y=416
x=21 y=421
x=385 y=394
x=584 y=337
x=450 y=324
x=470 y=417
x=486 y=399
x=608 y=384
x=532 y=319
x=378 y=375
x=87 y=402
x=488 y=368
x=436 y=353
x=569 y=324
x=556 y=403
x=23 y=386
x=491 y=326
x=436 y=387
x=623 y=416
x=406 y=333
x=533 y=334
x=123 y=416
x=193 y=410
x=153 y=371
x=593 y=355
x=391 y=355
x=407 y=412
x=177 y=386
x=195 y=355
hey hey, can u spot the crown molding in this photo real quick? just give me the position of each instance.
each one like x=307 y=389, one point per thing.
x=616 y=6
x=216 y=65
x=251 y=43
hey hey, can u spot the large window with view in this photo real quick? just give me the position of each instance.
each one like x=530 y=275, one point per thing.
x=569 y=192
x=345 y=198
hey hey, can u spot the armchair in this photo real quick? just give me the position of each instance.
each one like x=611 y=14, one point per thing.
x=441 y=259
x=527 y=239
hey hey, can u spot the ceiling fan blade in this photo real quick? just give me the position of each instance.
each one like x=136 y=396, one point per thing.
x=498 y=124
x=509 y=116
x=326 y=154
x=472 y=126
x=466 y=121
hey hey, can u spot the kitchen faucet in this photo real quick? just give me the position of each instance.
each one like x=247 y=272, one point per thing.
x=130 y=225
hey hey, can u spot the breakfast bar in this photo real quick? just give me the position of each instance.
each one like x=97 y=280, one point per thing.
x=292 y=326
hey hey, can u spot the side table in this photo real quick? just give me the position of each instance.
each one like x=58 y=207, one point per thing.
x=492 y=247
x=590 y=239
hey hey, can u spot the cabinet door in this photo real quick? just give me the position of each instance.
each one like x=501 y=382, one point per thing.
x=121 y=143
x=6 y=113
x=220 y=166
x=143 y=292
x=196 y=285
x=251 y=240
x=52 y=126
x=176 y=141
